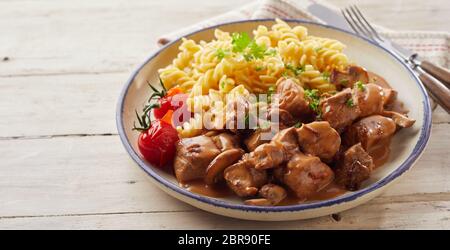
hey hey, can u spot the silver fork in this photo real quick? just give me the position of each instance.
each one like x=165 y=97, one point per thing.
x=362 y=27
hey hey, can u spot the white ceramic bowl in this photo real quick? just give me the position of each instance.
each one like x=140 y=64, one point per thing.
x=406 y=146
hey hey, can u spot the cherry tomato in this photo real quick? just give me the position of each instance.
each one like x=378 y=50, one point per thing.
x=157 y=144
x=172 y=102
x=164 y=106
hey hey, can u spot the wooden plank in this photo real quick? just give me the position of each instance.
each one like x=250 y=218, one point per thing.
x=91 y=175
x=52 y=105
x=55 y=37
x=68 y=175
x=440 y=115
x=386 y=215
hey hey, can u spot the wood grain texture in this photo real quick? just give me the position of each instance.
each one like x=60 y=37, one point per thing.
x=66 y=64
x=379 y=214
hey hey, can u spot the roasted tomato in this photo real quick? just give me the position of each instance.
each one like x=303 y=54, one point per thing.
x=172 y=101
x=157 y=144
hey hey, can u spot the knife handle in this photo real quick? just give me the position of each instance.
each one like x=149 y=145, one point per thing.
x=440 y=73
x=439 y=91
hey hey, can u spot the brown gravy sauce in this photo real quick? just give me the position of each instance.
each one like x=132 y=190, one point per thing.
x=380 y=156
x=220 y=190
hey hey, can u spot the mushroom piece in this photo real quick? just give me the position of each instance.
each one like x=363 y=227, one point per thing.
x=258 y=202
x=225 y=141
x=401 y=120
x=272 y=194
x=223 y=160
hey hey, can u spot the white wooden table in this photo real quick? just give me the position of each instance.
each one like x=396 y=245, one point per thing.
x=62 y=66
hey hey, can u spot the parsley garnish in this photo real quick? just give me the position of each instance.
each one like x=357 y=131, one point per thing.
x=247 y=120
x=360 y=85
x=221 y=53
x=298 y=125
x=314 y=100
x=259 y=68
x=240 y=41
x=326 y=76
x=222 y=84
x=256 y=51
x=251 y=50
x=350 y=103
x=296 y=70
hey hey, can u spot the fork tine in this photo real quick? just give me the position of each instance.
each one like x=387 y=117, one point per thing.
x=356 y=24
x=361 y=23
x=367 y=23
x=349 y=21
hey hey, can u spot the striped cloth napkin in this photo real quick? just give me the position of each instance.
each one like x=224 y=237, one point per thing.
x=433 y=46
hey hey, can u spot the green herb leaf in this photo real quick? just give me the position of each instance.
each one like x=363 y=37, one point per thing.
x=144 y=119
x=240 y=41
x=221 y=53
x=259 y=68
x=360 y=85
x=298 y=125
x=350 y=103
x=256 y=50
x=296 y=70
x=247 y=120
x=314 y=100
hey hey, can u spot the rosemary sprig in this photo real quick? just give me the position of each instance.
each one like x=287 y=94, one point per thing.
x=144 y=119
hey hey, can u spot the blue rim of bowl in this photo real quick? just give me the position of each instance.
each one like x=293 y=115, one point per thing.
x=406 y=165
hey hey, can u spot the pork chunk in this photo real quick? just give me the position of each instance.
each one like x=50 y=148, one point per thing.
x=319 y=139
x=353 y=167
x=193 y=157
x=292 y=98
x=348 y=77
x=265 y=156
x=244 y=180
x=369 y=99
x=372 y=132
x=339 y=110
x=287 y=138
x=278 y=151
x=307 y=175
